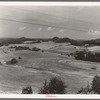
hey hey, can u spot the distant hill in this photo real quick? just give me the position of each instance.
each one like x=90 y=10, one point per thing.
x=93 y=41
x=76 y=42
x=54 y=39
x=66 y=39
x=7 y=41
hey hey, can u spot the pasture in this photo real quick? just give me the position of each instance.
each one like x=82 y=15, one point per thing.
x=35 y=67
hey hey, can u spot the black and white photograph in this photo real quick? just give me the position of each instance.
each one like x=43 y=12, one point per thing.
x=49 y=49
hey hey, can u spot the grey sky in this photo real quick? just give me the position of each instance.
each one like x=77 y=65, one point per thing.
x=46 y=22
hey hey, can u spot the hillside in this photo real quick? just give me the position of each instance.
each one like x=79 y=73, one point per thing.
x=77 y=42
x=36 y=66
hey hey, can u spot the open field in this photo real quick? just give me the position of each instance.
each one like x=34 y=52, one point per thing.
x=94 y=48
x=35 y=67
x=60 y=48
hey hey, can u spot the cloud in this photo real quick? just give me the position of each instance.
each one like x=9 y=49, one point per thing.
x=22 y=28
x=94 y=32
x=50 y=28
x=39 y=29
x=61 y=30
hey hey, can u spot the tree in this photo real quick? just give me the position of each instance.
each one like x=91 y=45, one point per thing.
x=42 y=51
x=12 y=61
x=94 y=88
x=55 y=86
x=35 y=49
x=96 y=84
x=27 y=90
x=80 y=55
x=55 y=39
x=44 y=89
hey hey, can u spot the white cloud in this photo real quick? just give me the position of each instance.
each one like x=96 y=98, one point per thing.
x=50 y=28
x=22 y=28
x=94 y=32
x=61 y=30
x=39 y=29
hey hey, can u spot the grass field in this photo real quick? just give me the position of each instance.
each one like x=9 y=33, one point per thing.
x=35 y=67
x=94 y=48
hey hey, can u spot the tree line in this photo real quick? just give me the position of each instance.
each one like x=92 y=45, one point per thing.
x=56 y=86
x=87 y=56
x=24 y=48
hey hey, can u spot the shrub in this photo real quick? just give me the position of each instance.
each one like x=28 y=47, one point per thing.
x=42 y=51
x=86 y=90
x=35 y=49
x=27 y=90
x=55 y=86
x=19 y=58
x=12 y=61
x=44 y=89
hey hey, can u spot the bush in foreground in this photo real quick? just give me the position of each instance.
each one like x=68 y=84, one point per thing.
x=57 y=86
x=96 y=84
x=86 y=90
x=94 y=88
x=54 y=86
x=27 y=90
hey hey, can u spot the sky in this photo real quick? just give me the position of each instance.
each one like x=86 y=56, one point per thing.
x=75 y=22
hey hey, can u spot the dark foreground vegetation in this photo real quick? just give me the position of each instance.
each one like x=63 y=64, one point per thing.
x=54 y=86
x=27 y=90
x=57 y=86
x=87 y=56
x=93 y=88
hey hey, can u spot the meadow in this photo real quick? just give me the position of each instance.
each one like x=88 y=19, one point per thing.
x=36 y=66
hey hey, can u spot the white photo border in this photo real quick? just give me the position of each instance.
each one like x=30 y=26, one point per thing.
x=53 y=96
